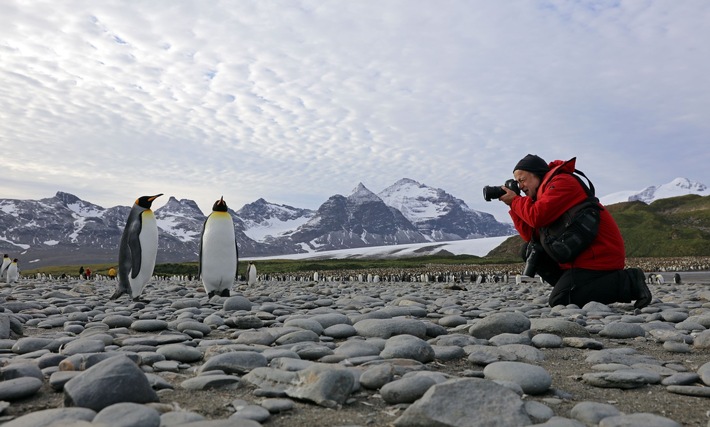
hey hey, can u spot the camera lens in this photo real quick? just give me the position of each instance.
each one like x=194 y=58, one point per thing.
x=492 y=192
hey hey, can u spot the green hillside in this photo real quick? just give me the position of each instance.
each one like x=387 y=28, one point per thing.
x=673 y=227
x=678 y=226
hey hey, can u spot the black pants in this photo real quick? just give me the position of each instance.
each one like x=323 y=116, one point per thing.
x=579 y=286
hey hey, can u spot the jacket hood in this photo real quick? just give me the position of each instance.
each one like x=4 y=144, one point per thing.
x=563 y=165
x=557 y=166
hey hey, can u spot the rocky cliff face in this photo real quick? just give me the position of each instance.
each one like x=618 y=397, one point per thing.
x=361 y=219
x=438 y=215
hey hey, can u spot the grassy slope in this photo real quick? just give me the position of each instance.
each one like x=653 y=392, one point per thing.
x=678 y=226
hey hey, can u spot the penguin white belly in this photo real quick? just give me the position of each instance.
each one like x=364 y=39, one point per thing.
x=149 y=250
x=252 y=276
x=12 y=274
x=3 y=268
x=219 y=253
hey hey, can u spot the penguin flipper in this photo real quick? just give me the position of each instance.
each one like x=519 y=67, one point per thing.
x=124 y=267
x=134 y=245
x=202 y=241
x=236 y=247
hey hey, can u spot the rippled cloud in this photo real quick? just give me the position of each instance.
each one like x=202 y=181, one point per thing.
x=295 y=101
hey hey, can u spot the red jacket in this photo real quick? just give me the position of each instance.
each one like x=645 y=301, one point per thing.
x=558 y=192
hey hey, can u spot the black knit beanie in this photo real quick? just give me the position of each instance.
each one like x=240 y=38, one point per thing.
x=533 y=164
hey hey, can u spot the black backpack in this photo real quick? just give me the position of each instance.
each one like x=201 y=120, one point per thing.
x=570 y=234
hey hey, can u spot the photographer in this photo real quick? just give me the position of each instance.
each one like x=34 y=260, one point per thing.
x=596 y=271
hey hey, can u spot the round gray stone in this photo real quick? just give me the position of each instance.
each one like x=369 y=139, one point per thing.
x=532 y=379
x=180 y=352
x=406 y=390
x=19 y=388
x=128 y=415
x=499 y=323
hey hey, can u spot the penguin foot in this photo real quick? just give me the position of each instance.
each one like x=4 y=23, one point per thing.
x=138 y=299
x=117 y=294
x=225 y=293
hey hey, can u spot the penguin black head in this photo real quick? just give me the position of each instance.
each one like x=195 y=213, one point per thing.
x=220 y=205
x=146 y=201
x=14 y=260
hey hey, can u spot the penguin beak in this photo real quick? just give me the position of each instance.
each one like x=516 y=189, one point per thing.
x=145 y=201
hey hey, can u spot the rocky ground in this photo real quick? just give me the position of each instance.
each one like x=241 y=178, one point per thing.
x=261 y=354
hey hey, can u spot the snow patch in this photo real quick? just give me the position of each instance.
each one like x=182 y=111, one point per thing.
x=9 y=208
x=84 y=211
x=78 y=226
x=19 y=245
x=170 y=225
x=476 y=247
x=271 y=228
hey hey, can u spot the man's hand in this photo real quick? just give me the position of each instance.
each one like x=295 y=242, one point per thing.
x=509 y=195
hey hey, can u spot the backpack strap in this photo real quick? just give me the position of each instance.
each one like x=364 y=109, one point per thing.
x=589 y=189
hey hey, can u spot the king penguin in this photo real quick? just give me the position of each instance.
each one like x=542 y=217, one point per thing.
x=139 y=247
x=251 y=274
x=13 y=272
x=218 y=251
x=5 y=264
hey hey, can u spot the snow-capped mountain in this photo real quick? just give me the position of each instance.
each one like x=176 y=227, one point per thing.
x=359 y=220
x=677 y=187
x=64 y=229
x=181 y=219
x=440 y=216
x=264 y=221
x=63 y=218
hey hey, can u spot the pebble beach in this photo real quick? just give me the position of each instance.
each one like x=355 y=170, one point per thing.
x=351 y=353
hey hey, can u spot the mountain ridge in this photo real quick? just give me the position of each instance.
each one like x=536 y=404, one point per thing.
x=67 y=228
x=677 y=187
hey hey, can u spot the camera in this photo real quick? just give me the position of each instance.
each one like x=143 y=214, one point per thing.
x=531 y=258
x=491 y=192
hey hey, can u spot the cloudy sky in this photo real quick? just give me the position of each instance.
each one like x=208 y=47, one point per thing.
x=295 y=101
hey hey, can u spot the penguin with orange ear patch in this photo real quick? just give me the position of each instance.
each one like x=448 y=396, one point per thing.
x=138 y=250
x=218 y=251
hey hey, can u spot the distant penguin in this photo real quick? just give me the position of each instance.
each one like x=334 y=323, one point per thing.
x=5 y=264
x=13 y=272
x=676 y=279
x=218 y=251
x=139 y=247
x=251 y=274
